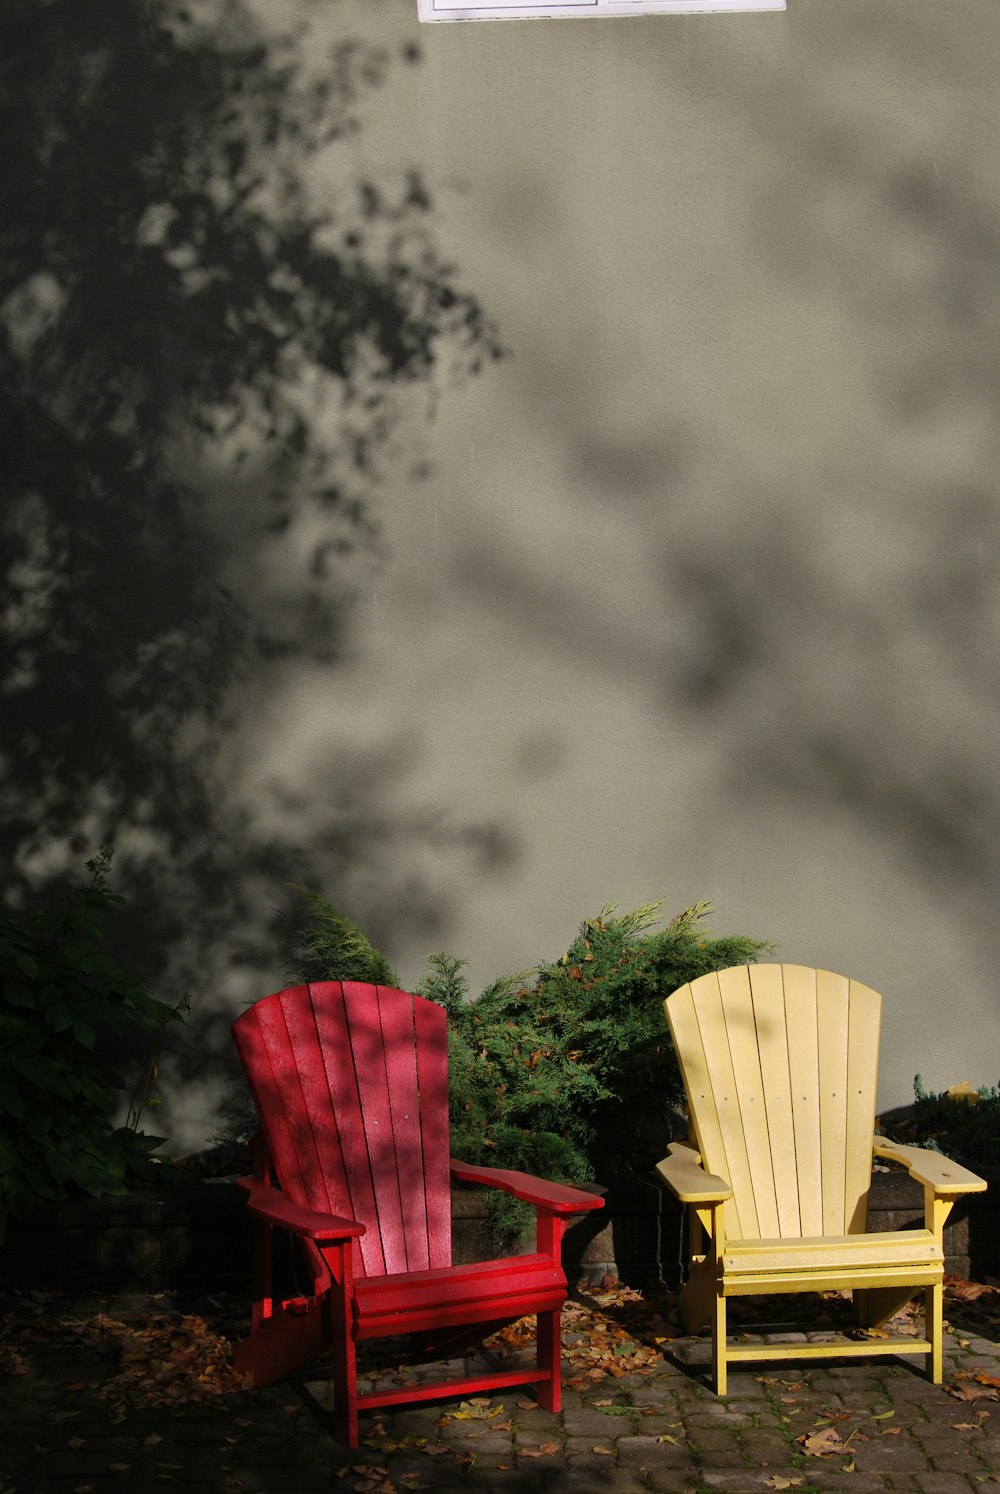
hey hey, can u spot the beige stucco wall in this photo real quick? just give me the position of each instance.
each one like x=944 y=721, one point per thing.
x=696 y=597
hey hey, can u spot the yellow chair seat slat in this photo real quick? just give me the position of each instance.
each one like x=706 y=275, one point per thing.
x=828 y=1252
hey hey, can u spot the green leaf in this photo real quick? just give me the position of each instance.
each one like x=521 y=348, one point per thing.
x=27 y=964
x=84 y=1034
x=11 y=1102
x=18 y=993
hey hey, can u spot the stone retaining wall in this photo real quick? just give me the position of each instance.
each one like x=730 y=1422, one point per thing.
x=197 y=1237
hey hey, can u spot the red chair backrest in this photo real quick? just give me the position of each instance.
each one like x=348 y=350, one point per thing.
x=351 y=1086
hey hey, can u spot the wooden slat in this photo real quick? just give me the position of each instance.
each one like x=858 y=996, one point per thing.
x=482 y=1281
x=430 y=1026
x=291 y=1140
x=799 y=983
x=340 y=1062
x=399 y=1041
x=250 y=1036
x=429 y=1317
x=767 y=987
x=726 y=1103
x=307 y=1101
x=854 y=1277
x=688 y=1046
x=744 y=1050
x=496 y=1381
x=834 y=1349
x=372 y=1080
x=832 y=1035
x=911 y=1247
x=864 y=1022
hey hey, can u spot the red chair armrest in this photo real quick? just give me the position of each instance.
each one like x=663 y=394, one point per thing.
x=553 y=1196
x=271 y=1204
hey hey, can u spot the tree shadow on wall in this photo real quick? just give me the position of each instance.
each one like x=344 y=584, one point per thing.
x=200 y=374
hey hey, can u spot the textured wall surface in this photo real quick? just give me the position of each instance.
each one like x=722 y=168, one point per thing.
x=699 y=597
x=694 y=593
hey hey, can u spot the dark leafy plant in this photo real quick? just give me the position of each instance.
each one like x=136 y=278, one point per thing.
x=61 y=991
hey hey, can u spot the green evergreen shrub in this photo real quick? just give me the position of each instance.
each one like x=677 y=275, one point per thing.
x=570 y=1072
x=963 y=1123
x=60 y=991
x=323 y=945
x=566 y=1070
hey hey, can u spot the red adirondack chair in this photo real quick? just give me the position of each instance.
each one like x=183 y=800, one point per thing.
x=351 y=1086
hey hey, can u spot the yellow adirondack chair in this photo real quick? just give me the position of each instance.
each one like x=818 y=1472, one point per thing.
x=780 y=1065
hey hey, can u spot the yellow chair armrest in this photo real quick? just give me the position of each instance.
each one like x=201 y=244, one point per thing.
x=684 y=1175
x=930 y=1168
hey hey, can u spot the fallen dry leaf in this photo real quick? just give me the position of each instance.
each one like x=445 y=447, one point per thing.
x=543 y=1450
x=822 y=1444
x=965 y=1390
x=478 y=1409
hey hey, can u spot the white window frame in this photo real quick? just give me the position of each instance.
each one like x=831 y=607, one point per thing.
x=521 y=10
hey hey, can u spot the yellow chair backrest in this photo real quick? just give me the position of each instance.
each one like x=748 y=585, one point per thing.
x=780 y=1063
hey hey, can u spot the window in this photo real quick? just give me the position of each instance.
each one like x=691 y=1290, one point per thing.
x=497 y=10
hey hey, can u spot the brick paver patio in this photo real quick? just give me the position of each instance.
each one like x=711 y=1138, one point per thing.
x=660 y=1431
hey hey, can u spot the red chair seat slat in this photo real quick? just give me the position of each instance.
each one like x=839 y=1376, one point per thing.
x=485 y=1281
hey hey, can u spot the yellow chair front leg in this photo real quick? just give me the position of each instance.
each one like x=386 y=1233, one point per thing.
x=934 y=1332
x=719 y=1344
